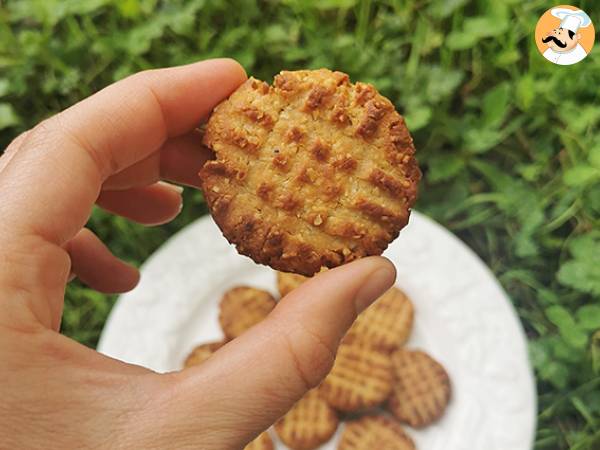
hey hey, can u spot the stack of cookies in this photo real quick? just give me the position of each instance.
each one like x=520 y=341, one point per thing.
x=375 y=385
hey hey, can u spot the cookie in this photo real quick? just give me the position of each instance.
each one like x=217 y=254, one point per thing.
x=361 y=377
x=243 y=307
x=310 y=423
x=387 y=323
x=374 y=432
x=421 y=388
x=201 y=353
x=287 y=282
x=262 y=442
x=312 y=171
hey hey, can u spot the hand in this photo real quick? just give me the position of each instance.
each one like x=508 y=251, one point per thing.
x=112 y=149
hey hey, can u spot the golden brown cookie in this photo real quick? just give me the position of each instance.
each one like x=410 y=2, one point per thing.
x=387 y=323
x=312 y=171
x=262 y=442
x=243 y=307
x=375 y=433
x=310 y=423
x=201 y=353
x=361 y=377
x=421 y=388
x=287 y=282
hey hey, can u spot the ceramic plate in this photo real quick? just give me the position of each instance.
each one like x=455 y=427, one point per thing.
x=462 y=317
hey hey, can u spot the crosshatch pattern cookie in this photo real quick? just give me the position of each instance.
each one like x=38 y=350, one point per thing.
x=421 y=388
x=310 y=423
x=387 y=323
x=312 y=171
x=201 y=353
x=243 y=307
x=361 y=377
x=375 y=433
x=262 y=442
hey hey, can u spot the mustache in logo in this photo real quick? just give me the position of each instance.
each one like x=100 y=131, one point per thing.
x=555 y=40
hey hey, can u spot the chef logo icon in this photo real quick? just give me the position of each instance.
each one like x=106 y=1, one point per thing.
x=564 y=35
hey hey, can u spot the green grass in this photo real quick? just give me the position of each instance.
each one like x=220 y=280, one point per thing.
x=509 y=144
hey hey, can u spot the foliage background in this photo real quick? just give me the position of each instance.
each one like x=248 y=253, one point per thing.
x=508 y=142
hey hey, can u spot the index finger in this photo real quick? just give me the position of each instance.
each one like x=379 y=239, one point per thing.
x=49 y=186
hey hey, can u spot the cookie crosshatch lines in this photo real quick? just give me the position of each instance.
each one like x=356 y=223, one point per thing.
x=312 y=171
x=565 y=35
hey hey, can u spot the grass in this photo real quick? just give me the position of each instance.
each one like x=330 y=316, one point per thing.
x=509 y=144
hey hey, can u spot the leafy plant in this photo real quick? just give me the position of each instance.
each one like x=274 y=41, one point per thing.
x=509 y=143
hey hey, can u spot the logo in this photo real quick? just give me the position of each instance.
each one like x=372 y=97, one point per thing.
x=564 y=35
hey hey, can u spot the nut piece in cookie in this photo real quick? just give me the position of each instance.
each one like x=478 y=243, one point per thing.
x=201 y=353
x=387 y=323
x=361 y=377
x=243 y=307
x=310 y=423
x=421 y=388
x=375 y=432
x=262 y=442
x=312 y=171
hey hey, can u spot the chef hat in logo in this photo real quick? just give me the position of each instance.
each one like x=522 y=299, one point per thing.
x=571 y=19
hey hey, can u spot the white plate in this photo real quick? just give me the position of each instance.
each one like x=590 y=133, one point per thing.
x=463 y=318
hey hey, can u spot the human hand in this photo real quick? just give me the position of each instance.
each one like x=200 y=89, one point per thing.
x=112 y=149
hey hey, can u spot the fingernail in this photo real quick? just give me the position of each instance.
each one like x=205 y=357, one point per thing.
x=173 y=187
x=377 y=283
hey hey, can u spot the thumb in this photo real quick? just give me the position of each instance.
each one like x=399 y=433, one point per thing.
x=255 y=379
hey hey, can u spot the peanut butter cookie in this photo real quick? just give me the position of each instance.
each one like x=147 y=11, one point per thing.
x=421 y=388
x=312 y=171
x=375 y=432
x=310 y=423
x=243 y=307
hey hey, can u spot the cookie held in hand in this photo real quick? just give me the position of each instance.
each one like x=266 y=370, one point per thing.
x=375 y=432
x=312 y=171
x=243 y=307
x=421 y=388
x=310 y=423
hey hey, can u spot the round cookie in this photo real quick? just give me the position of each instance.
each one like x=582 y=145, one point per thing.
x=387 y=323
x=243 y=307
x=421 y=388
x=310 y=423
x=287 y=282
x=262 y=442
x=312 y=171
x=375 y=432
x=201 y=353
x=361 y=377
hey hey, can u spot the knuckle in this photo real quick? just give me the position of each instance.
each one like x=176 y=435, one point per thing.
x=311 y=355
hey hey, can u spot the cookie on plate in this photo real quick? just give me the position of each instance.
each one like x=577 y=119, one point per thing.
x=310 y=423
x=375 y=432
x=361 y=377
x=262 y=442
x=287 y=282
x=421 y=388
x=387 y=323
x=201 y=353
x=312 y=171
x=243 y=307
